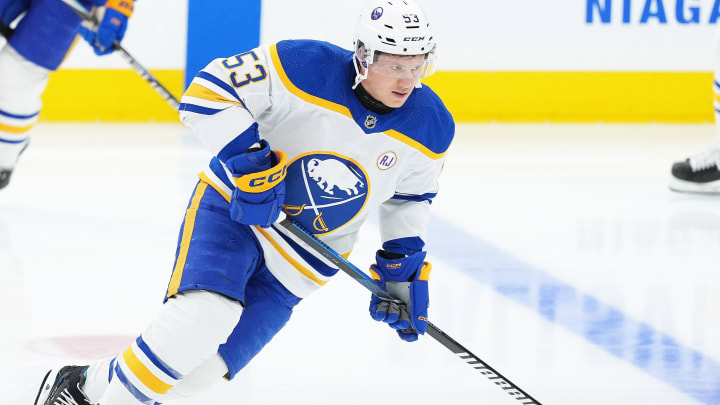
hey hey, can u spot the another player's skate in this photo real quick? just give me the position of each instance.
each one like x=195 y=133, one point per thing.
x=63 y=387
x=5 y=172
x=699 y=173
x=5 y=177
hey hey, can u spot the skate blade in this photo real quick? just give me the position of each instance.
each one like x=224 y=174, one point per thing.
x=682 y=186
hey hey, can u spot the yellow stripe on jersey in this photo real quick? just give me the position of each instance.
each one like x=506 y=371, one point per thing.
x=339 y=108
x=199 y=91
x=413 y=143
x=13 y=129
x=212 y=184
x=144 y=374
x=425 y=272
x=188 y=228
x=307 y=273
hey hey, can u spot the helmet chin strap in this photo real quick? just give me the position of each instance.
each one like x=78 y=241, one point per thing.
x=359 y=77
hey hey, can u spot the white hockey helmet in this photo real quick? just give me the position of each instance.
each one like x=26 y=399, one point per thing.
x=397 y=27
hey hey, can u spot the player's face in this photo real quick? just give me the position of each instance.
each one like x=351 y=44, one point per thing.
x=392 y=78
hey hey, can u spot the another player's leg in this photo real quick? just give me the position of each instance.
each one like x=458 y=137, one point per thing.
x=21 y=84
x=700 y=173
x=38 y=46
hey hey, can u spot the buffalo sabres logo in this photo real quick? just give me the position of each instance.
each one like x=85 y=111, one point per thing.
x=370 y=121
x=377 y=13
x=324 y=191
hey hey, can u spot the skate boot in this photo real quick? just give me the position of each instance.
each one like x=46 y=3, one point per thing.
x=699 y=173
x=5 y=177
x=63 y=387
x=6 y=172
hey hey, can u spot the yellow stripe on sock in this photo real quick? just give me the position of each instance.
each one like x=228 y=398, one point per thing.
x=144 y=374
x=14 y=130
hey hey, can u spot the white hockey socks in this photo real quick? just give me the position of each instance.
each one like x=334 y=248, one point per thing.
x=185 y=336
x=21 y=85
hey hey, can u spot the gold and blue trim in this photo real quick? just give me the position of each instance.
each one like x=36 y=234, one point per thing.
x=214 y=80
x=154 y=359
x=146 y=377
x=339 y=108
x=294 y=263
x=307 y=97
x=131 y=387
x=199 y=91
x=188 y=227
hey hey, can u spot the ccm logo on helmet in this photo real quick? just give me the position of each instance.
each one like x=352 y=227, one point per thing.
x=269 y=179
x=414 y=39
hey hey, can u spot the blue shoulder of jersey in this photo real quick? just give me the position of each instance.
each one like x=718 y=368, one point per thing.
x=325 y=71
x=427 y=120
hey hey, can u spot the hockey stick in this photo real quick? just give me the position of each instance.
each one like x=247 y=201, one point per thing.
x=432 y=330
x=154 y=83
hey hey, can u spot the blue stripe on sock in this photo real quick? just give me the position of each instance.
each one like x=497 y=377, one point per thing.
x=633 y=341
x=110 y=372
x=156 y=360
x=13 y=142
x=131 y=388
x=18 y=116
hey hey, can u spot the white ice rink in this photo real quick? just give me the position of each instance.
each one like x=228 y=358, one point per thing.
x=560 y=258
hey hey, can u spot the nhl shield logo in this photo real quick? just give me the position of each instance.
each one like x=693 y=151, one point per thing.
x=370 y=121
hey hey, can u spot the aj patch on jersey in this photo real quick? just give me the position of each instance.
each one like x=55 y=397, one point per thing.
x=325 y=191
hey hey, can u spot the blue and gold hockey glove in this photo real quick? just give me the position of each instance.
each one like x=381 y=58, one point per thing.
x=259 y=176
x=405 y=278
x=113 y=16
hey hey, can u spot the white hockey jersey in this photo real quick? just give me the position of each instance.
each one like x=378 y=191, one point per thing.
x=343 y=159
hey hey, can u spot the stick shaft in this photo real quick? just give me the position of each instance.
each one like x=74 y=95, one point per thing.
x=436 y=333
x=144 y=73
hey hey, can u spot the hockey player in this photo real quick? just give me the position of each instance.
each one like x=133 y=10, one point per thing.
x=701 y=173
x=39 y=43
x=325 y=135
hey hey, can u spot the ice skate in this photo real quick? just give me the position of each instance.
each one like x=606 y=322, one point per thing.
x=699 y=173
x=63 y=387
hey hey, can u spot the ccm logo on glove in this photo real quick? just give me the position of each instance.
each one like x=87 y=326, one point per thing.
x=266 y=179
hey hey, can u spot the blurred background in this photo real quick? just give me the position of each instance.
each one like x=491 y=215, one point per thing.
x=517 y=60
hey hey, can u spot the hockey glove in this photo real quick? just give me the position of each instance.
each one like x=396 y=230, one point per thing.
x=259 y=176
x=405 y=278
x=113 y=17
